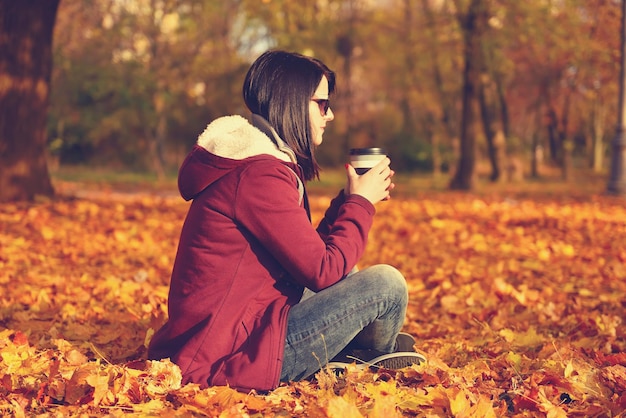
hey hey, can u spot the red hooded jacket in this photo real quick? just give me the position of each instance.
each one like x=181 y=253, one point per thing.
x=247 y=250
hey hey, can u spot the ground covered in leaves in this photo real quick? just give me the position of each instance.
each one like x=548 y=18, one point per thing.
x=518 y=303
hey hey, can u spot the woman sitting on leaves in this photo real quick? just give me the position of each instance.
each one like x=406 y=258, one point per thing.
x=258 y=296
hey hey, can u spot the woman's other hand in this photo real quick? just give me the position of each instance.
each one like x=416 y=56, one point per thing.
x=375 y=185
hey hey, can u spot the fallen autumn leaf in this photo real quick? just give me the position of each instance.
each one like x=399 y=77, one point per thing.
x=517 y=304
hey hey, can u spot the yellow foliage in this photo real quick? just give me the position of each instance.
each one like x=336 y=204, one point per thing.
x=518 y=306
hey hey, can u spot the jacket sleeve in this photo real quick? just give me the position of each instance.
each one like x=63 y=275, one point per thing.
x=325 y=225
x=267 y=206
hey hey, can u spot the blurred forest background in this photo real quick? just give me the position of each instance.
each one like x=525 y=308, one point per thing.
x=458 y=88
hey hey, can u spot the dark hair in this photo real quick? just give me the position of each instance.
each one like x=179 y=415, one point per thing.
x=279 y=86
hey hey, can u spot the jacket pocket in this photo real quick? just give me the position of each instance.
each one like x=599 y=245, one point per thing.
x=238 y=349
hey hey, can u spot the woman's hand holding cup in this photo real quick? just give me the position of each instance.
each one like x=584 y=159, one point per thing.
x=375 y=183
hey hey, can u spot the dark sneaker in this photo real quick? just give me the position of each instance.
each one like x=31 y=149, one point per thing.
x=404 y=343
x=391 y=361
x=337 y=367
x=404 y=355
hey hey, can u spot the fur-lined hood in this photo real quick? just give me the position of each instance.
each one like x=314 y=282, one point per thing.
x=236 y=138
x=227 y=143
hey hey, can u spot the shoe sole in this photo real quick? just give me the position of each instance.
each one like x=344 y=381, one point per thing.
x=391 y=361
x=395 y=361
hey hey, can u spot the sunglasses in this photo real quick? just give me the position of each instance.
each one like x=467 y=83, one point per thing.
x=324 y=105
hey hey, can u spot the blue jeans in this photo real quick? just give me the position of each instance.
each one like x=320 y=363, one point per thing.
x=364 y=310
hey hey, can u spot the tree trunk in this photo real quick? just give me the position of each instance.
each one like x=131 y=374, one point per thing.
x=597 y=133
x=26 y=28
x=553 y=137
x=473 y=24
x=559 y=140
x=157 y=136
x=492 y=126
x=409 y=64
x=598 y=154
x=446 y=127
x=536 y=157
x=437 y=160
x=345 y=44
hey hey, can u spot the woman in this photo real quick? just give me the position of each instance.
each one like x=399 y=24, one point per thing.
x=247 y=251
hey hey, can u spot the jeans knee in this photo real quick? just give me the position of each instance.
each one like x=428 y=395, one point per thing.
x=393 y=281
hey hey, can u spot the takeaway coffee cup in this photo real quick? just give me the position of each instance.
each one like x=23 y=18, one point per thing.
x=362 y=159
